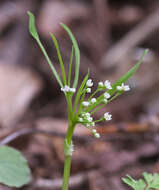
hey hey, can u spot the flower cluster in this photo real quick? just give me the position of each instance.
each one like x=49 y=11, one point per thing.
x=84 y=116
x=123 y=87
x=89 y=84
x=66 y=88
x=106 y=97
x=88 y=103
x=107 y=116
x=86 y=119
x=106 y=85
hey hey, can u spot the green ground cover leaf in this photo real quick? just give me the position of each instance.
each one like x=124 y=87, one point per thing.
x=150 y=182
x=14 y=171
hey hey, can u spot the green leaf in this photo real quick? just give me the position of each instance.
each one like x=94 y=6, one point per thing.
x=155 y=183
x=135 y=184
x=14 y=171
x=70 y=67
x=152 y=180
x=77 y=54
x=32 y=27
x=148 y=177
x=140 y=185
x=129 y=181
x=59 y=57
x=35 y=35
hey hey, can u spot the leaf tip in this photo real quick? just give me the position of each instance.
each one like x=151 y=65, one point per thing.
x=32 y=28
x=29 y=13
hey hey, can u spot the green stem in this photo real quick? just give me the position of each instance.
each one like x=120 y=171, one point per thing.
x=94 y=93
x=66 y=174
x=67 y=164
x=68 y=140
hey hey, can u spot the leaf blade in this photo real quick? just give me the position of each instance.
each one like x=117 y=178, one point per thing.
x=34 y=34
x=32 y=27
x=77 y=54
x=70 y=67
x=14 y=171
x=59 y=57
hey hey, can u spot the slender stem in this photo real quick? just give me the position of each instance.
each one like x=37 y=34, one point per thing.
x=67 y=164
x=101 y=106
x=66 y=174
x=94 y=93
x=68 y=139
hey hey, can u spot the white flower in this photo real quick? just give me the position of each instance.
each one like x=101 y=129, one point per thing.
x=93 y=100
x=88 y=90
x=94 y=131
x=80 y=119
x=86 y=104
x=68 y=89
x=107 y=116
x=87 y=114
x=65 y=89
x=106 y=95
x=89 y=83
x=105 y=100
x=89 y=119
x=100 y=84
x=72 y=90
x=123 y=87
x=97 y=135
x=107 y=84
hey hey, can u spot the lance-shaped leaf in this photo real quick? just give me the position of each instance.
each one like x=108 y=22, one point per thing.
x=14 y=170
x=59 y=57
x=77 y=54
x=70 y=67
x=35 y=35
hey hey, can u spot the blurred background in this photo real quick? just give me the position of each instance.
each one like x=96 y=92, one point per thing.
x=112 y=35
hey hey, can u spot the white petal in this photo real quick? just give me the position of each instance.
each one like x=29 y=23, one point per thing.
x=106 y=95
x=93 y=100
x=97 y=135
x=88 y=90
x=89 y=83
x=126 y=88
x=100 y=84
x=107 y=116
x=107 y=84
x=86 y=104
